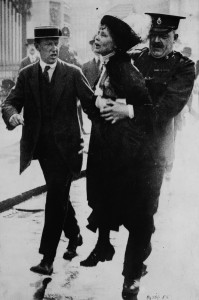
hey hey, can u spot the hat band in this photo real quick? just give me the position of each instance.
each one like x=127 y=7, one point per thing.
x=162 y=29
x=43 y=33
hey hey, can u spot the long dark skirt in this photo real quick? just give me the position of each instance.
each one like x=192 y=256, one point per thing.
x=111 y=172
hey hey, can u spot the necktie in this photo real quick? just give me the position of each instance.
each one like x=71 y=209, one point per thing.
x=45 y=73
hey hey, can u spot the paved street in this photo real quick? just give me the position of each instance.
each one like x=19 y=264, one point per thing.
x=173 y=267
x=11 y=183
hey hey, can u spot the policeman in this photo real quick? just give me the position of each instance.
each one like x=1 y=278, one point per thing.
x=169 y=77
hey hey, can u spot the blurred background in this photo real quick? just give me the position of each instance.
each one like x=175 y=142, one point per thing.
x=19 y=17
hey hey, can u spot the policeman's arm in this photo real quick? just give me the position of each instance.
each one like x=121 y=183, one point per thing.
x=177 y=93
x=135 y=93
x=14 y=102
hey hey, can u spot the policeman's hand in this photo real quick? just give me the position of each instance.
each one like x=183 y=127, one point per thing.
x=16 y=120
x=114 y=111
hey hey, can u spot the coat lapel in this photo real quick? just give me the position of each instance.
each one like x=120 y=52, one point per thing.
x=60 y=82
x=34 y=82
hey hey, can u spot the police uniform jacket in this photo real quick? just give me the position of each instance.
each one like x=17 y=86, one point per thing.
x=170 y=81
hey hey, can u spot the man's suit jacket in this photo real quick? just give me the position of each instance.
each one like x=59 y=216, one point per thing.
x=91 y=71
x=70 y=84
x=26 y=62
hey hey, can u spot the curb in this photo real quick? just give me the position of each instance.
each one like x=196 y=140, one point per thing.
x=10 y=202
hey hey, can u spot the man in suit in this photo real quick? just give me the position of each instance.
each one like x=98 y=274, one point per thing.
x=91 y=69
x=32 y=54
x=169 y=77
x=47 y=91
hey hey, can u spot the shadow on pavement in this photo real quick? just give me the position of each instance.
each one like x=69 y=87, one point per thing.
x=40 y=291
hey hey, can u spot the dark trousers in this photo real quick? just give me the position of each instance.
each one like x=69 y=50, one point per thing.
x=59 y=213
x=140 y=222
x=138 y=247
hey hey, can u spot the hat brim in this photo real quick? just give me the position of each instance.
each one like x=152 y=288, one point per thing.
x=124 y=36
x=161 y=30
x=47 y=37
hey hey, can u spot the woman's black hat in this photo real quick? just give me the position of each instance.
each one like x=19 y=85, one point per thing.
x=123 y=35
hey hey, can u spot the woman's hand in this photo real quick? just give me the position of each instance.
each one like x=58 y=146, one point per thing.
x=114 y=111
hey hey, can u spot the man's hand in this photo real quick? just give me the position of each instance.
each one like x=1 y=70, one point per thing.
x=114 y=111
x=16 y=120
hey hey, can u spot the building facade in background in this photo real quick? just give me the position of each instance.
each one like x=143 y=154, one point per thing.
x=17 y=21
x=49 y=12
x=82 y=18
x=10 y=39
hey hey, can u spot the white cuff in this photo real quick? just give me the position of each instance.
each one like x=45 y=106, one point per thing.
x=100 y=102
x=11 y=118
x=131 y=111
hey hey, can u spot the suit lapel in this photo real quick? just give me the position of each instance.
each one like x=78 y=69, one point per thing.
x=96 y=67
x=60 y=82
x=34 y=83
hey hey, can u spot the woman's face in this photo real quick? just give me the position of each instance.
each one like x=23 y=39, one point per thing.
x=104 y=43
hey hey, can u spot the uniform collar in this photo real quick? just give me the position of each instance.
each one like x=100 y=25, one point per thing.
x=162 y=58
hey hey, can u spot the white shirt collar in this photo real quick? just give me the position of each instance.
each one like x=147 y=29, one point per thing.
x=43 y=65
x=96 y=58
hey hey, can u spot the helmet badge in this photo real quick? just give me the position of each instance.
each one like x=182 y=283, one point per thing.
x=159 y=21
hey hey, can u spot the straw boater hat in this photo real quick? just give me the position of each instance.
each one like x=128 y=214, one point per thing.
x=47 y=32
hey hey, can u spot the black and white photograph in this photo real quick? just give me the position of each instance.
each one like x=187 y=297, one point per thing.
x=99 y=149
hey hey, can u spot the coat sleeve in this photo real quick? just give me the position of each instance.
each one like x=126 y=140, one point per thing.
x=14 y=102
x=136 y=90
x=86 y=95
x=129 y=83
x=177 y=93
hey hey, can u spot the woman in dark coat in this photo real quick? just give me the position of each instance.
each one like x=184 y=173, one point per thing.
x=114 y=145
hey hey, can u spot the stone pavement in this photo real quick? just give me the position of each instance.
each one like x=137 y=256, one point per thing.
x=15 y=188
x=173 y=267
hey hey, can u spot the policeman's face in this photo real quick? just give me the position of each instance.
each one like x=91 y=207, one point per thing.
x=161 y=44
x=48 y=49
x=104 y=43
